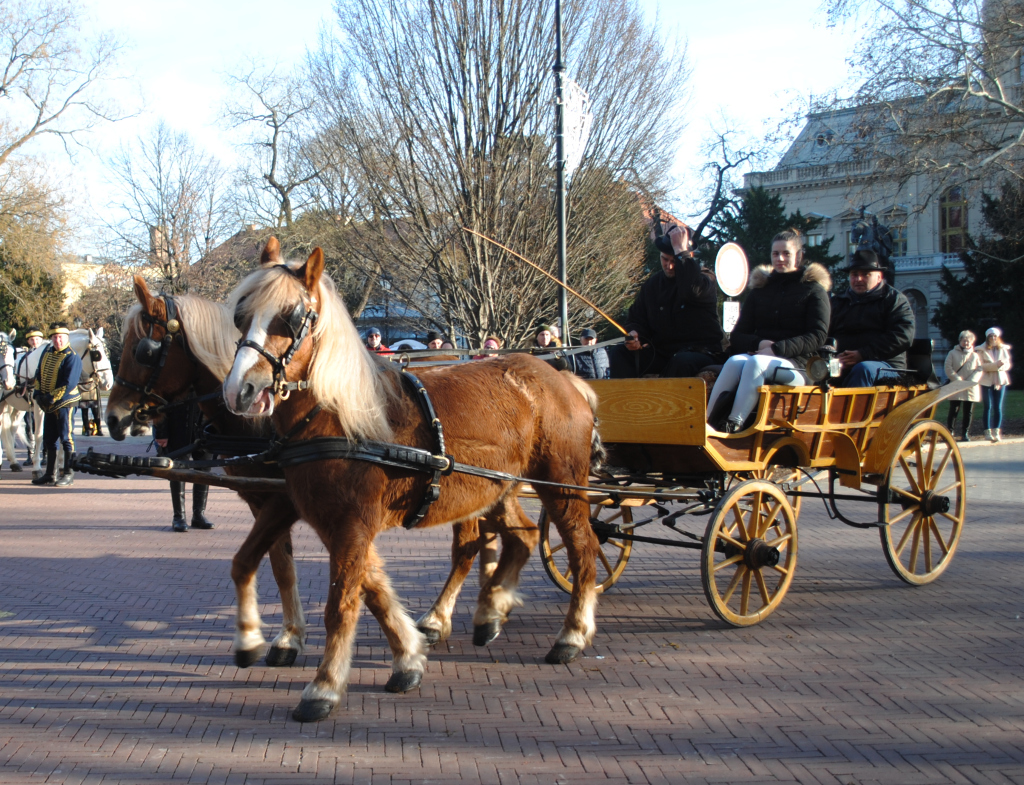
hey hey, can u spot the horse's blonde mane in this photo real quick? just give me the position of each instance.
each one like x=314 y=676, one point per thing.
x=210 y=328
x=344 y=377
x=212 y=335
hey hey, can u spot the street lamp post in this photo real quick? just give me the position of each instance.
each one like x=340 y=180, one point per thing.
x=559 y=69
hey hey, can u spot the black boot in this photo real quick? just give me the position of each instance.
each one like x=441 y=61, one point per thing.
x=178 y=505
x=51 y=466
x=67 y=475
x=968 y=417
x=199 y=494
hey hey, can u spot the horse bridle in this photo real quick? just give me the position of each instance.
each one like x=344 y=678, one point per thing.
x=300 y=321
x=151 y=353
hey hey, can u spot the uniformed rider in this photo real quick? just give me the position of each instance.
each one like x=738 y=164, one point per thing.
x=56 y=391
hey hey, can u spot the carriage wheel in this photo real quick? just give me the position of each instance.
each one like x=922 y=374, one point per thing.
x=749 y=553
x=923 y=501
x=611 y=556
x=777 y=475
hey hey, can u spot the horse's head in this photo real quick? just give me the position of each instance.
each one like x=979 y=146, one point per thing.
x=276 y=308
x=154 y=370
x=99 y=360
x=7 y=360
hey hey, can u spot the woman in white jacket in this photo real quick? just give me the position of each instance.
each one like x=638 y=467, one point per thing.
x=963 y=364
x=995 y=379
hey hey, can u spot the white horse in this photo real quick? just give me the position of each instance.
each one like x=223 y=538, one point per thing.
x=86 y=344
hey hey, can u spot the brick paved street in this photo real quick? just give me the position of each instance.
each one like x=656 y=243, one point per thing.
x=116 y=661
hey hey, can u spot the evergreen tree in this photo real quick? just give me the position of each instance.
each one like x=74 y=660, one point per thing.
x=992 y=288
x=28 y=294
x=759 y=217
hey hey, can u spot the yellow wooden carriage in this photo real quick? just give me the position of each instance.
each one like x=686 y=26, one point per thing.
x=875 y=445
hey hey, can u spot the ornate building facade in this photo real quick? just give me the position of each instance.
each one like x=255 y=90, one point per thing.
x=822 y=175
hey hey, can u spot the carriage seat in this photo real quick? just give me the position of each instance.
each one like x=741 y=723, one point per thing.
x=919 y=361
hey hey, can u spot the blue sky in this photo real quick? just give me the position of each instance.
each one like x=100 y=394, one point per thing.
x=753 y=63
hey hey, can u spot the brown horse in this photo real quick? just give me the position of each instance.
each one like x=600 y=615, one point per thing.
x=196 y=360
x=513 y=414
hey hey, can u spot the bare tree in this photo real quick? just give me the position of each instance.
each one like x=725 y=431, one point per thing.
x=272 y=111
x=49 y=73
x=726 y=154
x=440 y=115
x=173 y=208
x=940 y=90
x=49 y=79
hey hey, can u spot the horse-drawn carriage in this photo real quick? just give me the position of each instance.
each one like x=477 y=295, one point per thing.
x=361 y=447
x=876 y=444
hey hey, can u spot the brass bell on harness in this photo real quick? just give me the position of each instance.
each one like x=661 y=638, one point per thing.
x=173 y=325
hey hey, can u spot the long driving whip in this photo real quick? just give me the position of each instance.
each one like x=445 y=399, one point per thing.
x=540 y=269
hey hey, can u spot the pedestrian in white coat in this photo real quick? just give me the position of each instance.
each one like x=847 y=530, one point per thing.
x=963 y=364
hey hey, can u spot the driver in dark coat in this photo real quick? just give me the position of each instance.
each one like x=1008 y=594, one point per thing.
x=673 y=323
x=872 y=322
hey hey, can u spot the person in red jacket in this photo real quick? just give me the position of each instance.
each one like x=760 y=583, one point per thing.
x=373 y=342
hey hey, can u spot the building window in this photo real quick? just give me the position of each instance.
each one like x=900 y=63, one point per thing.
x=824 y=138
x=897 y=224
x=814 y=240
x=851 y=246
x=952 y=220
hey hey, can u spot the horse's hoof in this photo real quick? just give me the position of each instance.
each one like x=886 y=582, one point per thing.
x=403 y=682
x=243 y=659
x=485 y=633
x=562 y=654
x=430 y=635
x=15 y=467
x=36 y=474
x=312 y=710
x=280 y=657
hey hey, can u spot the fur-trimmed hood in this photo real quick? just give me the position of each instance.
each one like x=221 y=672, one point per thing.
x=812 y=272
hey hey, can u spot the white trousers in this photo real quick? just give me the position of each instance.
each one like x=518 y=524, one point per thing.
x=744 y=373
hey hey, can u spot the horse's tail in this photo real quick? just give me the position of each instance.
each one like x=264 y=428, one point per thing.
x=597 y=452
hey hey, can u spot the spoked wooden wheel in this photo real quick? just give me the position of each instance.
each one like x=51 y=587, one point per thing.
x=611 y=556
x=749 y=553
x=777 y=475
x=923 y=501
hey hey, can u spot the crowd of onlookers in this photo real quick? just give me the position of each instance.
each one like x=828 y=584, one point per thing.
x=592 y=364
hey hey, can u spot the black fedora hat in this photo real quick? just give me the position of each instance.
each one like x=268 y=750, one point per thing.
x=864 y=259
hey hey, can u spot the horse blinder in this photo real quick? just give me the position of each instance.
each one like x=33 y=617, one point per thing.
x=147 y=353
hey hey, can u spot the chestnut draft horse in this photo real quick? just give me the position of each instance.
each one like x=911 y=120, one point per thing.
x=197 y=356
x=513 y=414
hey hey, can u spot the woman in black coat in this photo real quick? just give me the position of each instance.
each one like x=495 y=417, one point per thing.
x=782 y=323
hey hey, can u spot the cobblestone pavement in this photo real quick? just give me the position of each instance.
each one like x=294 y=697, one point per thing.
x=116 y=661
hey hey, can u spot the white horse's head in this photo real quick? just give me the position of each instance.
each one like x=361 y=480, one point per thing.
x=99 y=359
x=7 y=359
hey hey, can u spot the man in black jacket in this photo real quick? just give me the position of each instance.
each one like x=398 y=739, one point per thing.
x=872 y=322
x=673 y=323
